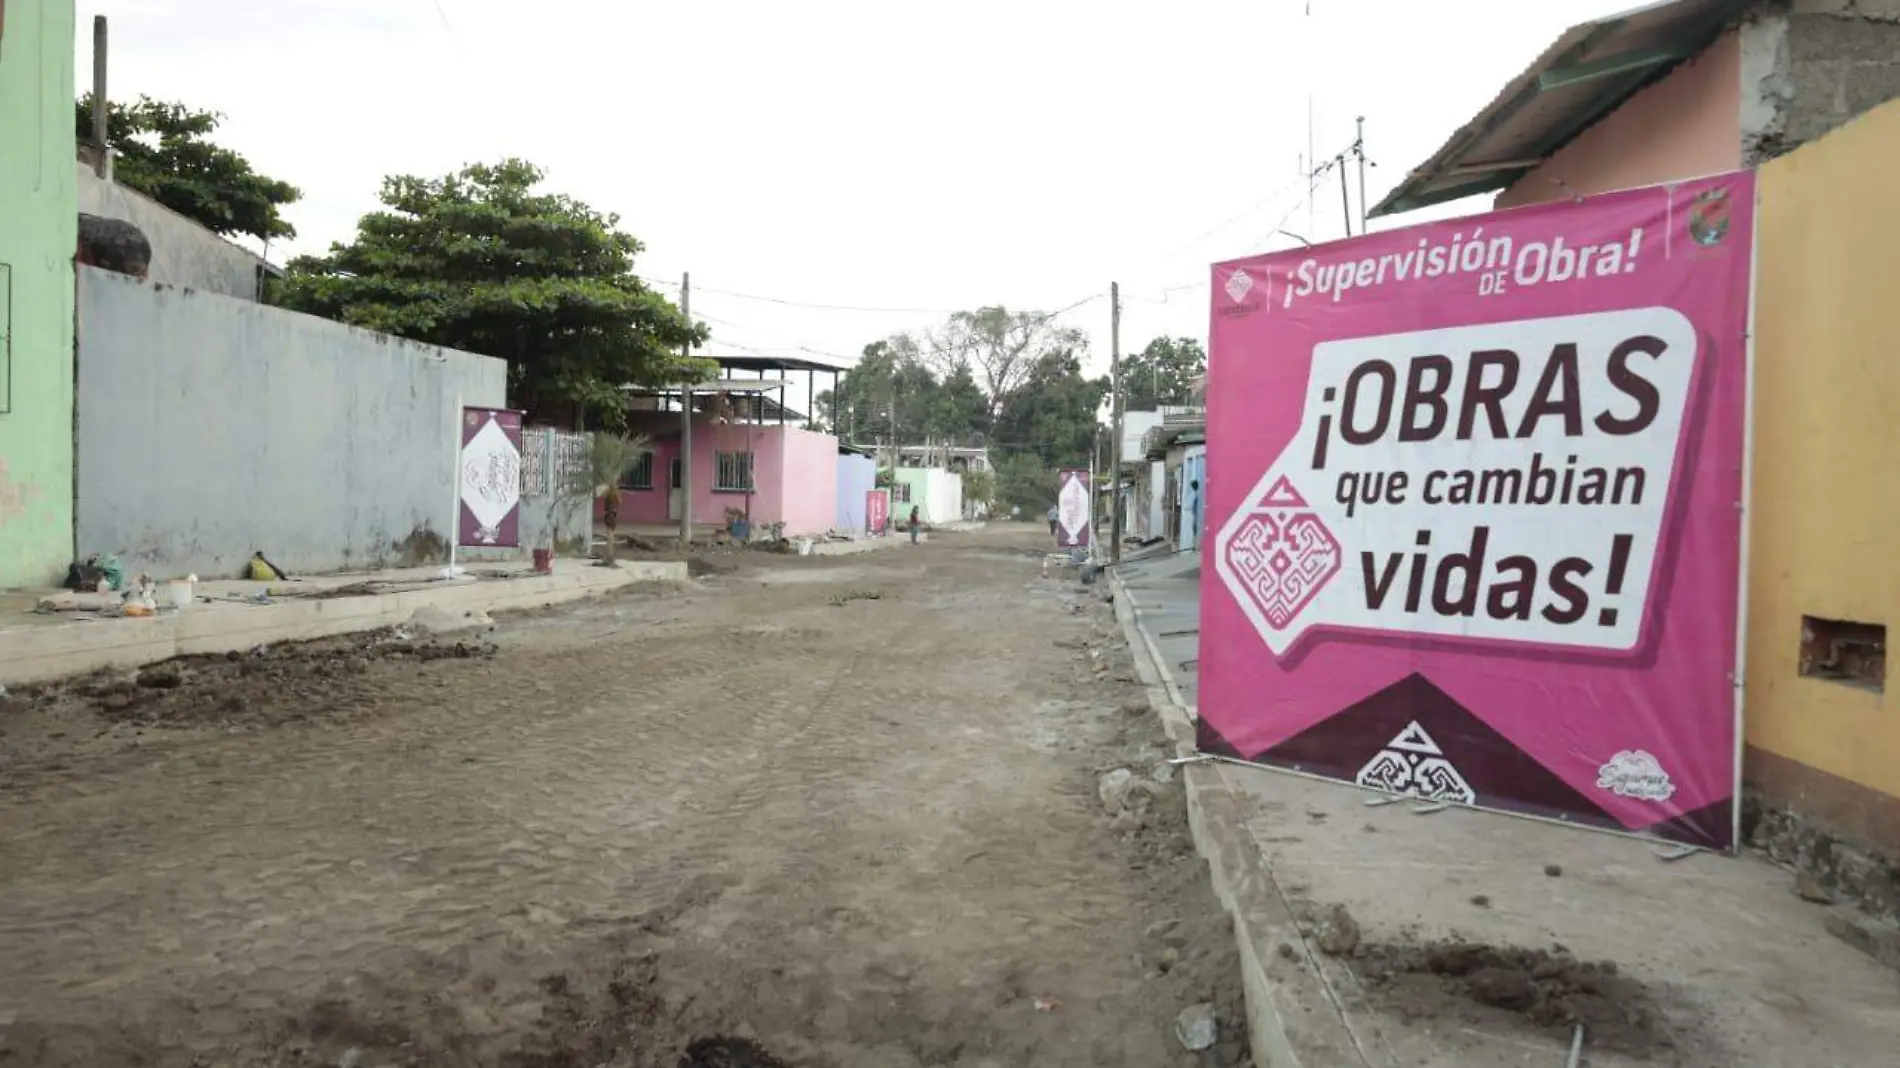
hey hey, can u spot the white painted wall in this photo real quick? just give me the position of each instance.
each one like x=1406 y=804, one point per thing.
x=184 y=254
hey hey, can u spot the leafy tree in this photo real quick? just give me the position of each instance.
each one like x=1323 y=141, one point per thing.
x=959 y=412
x=480 y=260
x=1024 y=481
x=1052 y=414
x=1001 y=347
x=165 y=151
x=1162 y=373
x=891 y=380
x=979 y=487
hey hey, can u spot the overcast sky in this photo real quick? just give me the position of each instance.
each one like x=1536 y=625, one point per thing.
x=865 y=153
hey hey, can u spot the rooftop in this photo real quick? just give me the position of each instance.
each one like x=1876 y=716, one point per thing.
x=1589 y=71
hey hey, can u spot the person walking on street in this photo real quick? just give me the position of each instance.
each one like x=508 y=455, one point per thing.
x=1054 y=520
x=916 y=521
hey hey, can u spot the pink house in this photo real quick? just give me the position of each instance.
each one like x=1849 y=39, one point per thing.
x=747 y=456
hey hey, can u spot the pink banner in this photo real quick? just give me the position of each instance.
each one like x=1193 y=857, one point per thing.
x=877 y=510
x=490 y=474
x=1073 y=505
x=1474 y=488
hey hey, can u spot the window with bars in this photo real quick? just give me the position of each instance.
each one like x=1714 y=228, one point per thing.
x=732 y=472
x=900 y=493
x=640 y=475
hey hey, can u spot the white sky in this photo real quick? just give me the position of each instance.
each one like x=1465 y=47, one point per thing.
x=872 y=153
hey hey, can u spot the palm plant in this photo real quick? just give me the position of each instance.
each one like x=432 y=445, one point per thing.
x=609 y=458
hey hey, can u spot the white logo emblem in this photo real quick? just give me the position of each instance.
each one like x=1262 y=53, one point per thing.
x=1239 y=284
x=1413 y=764
x=1635 y=773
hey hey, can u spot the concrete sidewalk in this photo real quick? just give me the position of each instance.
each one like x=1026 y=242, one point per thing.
x=232 y=615
x=1718 y=962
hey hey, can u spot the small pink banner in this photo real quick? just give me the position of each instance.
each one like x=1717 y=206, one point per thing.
x=490 y=474
x=1073 y=505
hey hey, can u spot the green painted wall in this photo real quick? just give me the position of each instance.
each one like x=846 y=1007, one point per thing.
x=38 y=234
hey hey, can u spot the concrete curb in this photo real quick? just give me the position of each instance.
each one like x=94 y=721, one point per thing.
x=35 y=652
x=1293 y=1017
x=852 y=548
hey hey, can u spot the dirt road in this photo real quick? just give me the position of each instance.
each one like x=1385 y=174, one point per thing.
x=812 y=812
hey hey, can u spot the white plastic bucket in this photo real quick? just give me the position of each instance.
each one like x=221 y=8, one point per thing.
x=804 y=546
x=180 y=592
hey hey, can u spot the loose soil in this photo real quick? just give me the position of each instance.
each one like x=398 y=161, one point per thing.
x=1549 y=989
x=737 y=822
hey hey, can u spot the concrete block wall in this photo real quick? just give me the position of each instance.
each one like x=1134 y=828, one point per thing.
x=1809 y=66
x=184 y=253
x=209 y=427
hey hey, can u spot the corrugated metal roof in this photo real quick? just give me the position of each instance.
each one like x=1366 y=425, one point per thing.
x=1588 y=73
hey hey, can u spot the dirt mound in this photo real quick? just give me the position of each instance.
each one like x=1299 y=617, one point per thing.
x=728 y=1053
x=269 y=684
x=1550 y=989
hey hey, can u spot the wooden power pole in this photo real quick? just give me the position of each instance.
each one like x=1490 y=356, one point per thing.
x=686 y=420
x=1115 y=390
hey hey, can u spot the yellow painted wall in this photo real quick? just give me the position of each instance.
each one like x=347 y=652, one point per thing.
x=1825 y=523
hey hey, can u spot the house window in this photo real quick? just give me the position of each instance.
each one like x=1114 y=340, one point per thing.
x=640 y=475
x=732 y=472
x=900 y=493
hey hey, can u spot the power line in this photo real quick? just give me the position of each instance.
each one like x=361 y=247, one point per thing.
x=1257 y=205
x=819 y=306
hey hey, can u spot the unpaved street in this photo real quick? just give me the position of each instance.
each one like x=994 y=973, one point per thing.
x=845 y=809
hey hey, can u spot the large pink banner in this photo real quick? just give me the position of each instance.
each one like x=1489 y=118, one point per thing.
x=1475 y=491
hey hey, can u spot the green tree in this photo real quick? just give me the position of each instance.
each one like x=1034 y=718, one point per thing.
x=979 y=487
x=609 y=458
x=889 y=387
x=1162 y=373
x=480 y=260
x=960 y=413
x=1001 y=348
x=165 y=151
x=1052 y=414
x=1024 y=481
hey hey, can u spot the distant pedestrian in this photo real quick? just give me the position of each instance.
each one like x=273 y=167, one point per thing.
x=916 y=521
x=1054 y=520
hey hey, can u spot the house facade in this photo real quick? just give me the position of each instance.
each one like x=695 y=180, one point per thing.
x=749 y=457
x=38 y=237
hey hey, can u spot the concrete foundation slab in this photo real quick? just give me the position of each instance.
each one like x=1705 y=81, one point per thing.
x=40 y=647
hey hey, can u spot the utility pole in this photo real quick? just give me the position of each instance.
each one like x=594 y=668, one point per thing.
x=1115 y=386
x=1359 y=149
x=100 y=107
x=1345 y=198
x=686 y=421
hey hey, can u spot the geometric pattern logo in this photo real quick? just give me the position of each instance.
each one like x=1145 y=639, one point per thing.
x=1413 y=764
x=1282 y=554
x=1239 y=284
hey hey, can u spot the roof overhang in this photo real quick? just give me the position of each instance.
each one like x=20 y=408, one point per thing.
x=777 y=363
x=1589 y=72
